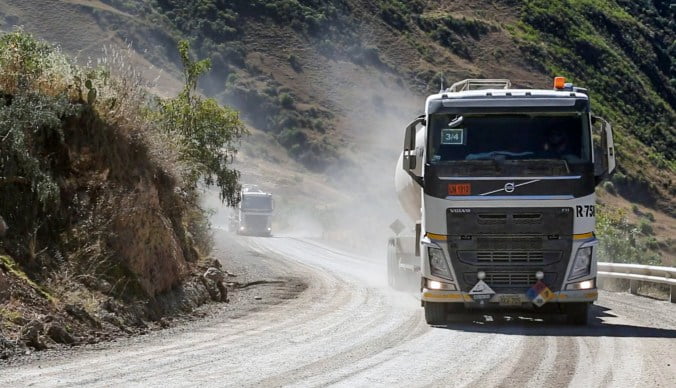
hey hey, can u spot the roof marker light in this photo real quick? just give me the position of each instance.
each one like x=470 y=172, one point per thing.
x=559 y=82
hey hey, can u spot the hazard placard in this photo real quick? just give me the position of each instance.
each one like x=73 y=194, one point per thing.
x=481 y=291
x=539 y=293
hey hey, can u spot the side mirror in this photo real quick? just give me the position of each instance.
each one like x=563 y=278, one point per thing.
x=604 y=149
x=411 y=154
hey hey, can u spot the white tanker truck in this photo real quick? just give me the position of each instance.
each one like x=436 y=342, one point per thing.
x=254 y=214
x=499 y=183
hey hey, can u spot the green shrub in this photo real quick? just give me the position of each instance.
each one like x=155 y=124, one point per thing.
x=652 y=244
x=609 y=187
x=207 y=133
x=620 y=241
x=34 y=102
x=394 y=18
x=619 y=178
x=292 y=136
x=645 y=227
x=286 y=100
x=295 y=63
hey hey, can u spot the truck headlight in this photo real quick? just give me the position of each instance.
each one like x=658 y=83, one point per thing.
x=585 y=285
x=438 y=265
x=582 y=263
x=435 y=285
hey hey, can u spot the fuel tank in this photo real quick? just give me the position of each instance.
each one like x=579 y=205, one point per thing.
x=408 y=191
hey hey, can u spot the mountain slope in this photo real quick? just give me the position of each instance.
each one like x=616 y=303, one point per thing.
x=327 y=86
x=297 y=68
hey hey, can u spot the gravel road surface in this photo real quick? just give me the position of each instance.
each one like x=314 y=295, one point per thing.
x=348 y=329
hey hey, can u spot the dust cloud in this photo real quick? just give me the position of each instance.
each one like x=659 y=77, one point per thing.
x=350 y=204
x=377 y=112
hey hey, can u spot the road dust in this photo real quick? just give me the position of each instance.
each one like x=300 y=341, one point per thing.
x=378 y=111
x=350 y=204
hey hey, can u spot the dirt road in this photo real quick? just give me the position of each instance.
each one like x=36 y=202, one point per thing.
x=348 y=329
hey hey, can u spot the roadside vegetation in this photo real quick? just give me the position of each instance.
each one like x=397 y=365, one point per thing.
x=99 y=186
x=622 y=241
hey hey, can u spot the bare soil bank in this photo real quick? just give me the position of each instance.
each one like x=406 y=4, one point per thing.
x=258 y=281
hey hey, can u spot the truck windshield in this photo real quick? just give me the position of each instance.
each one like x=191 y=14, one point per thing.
x=554 y=137
x=256 y=202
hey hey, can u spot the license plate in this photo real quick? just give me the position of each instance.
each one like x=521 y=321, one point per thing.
x=510 y=300
x=479 y=297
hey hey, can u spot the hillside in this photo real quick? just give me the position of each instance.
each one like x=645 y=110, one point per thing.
x=101 y=229
x=327 y=87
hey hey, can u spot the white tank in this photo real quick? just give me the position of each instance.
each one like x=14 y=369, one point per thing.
x=408 y=191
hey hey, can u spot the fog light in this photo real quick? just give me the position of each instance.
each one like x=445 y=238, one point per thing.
x=436 y=285
x=481 y=275
x=539 y=275
x=585 y=285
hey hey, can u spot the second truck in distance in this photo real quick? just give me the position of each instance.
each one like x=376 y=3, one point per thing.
x=254 y=213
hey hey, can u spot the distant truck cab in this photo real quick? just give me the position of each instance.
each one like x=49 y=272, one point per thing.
x=254 y=216
x=500 y=185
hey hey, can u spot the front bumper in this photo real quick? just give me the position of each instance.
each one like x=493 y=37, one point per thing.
x=569 y=296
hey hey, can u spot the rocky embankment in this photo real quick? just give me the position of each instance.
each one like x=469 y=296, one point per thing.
x=252 y=281
x=102 y=234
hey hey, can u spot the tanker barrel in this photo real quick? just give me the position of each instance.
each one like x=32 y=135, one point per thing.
x=408 y=191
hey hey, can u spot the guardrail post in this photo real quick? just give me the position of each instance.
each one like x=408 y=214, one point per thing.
x=673 y=294
x=633 y=286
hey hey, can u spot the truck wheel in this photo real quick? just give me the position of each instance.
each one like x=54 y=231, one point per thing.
x=578 y=313
x=435 y=313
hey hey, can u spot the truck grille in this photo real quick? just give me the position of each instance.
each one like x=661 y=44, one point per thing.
x=509 y=242
x=498 y=279
x=515 y=280
x=503 y=218
x=509 y=249
x=510 y=245
x=257 y=222
x=510 y=257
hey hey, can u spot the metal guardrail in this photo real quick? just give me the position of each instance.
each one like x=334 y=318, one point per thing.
x=637 y=273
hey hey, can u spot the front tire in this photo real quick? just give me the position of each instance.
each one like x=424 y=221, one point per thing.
x=577 y=313
x=435 y=313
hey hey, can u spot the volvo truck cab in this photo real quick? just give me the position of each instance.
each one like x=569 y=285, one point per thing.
x=503 y=180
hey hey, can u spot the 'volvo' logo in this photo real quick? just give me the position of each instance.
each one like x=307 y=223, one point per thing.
x=456 y=210
x=509 y=187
